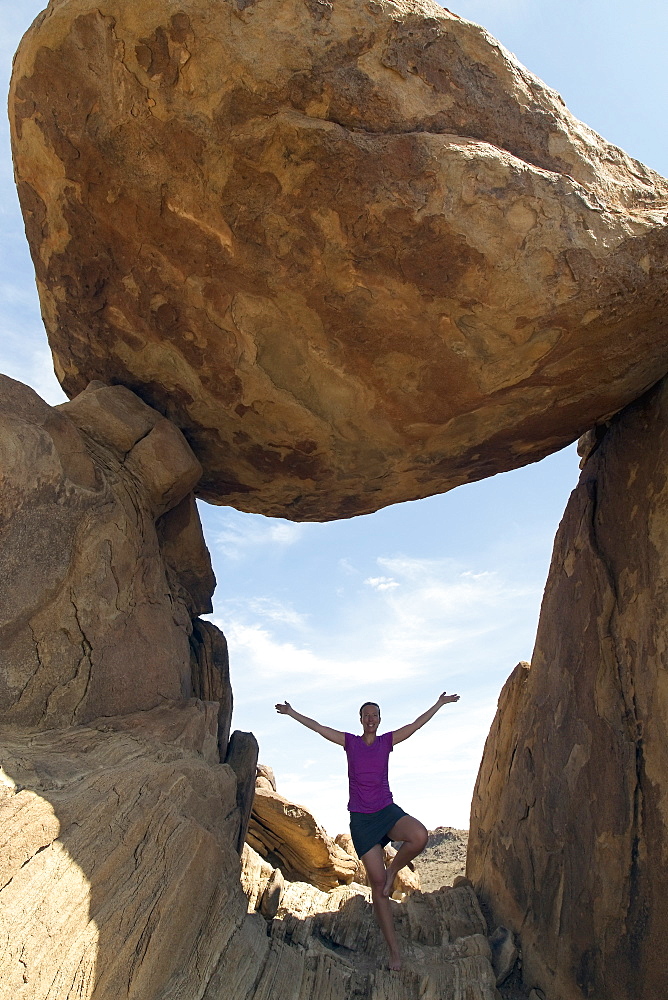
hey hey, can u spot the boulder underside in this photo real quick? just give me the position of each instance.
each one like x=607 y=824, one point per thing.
x=355 y=251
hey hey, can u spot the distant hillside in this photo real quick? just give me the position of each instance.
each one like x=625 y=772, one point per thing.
x=443 y=858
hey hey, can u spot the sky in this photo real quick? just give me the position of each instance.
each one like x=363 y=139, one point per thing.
x=438 y=594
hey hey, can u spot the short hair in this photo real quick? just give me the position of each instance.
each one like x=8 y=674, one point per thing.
x=374 y=703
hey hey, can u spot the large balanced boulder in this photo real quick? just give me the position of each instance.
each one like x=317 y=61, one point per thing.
x=354 y=250
x=569 y=821
x=104 y=566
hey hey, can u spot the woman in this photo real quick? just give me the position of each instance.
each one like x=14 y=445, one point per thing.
x=375 y=819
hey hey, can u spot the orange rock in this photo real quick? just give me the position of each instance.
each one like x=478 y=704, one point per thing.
x=354 y=250
x=289 y=837
x=569 y=821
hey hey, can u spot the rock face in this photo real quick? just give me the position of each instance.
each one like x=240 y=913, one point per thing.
x=242 y=758
x=289 y=836
x=96 y=599
x=119 y=877
x=569 y=822
x=354 y=250
x=120 y=829
x=327 y=944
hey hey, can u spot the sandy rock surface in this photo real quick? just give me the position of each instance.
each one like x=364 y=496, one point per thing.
x=119 y=879
x=569 y=826
x=118 y=876
x=354 y=250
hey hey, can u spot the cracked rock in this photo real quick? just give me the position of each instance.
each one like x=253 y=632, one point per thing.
x=94 y=619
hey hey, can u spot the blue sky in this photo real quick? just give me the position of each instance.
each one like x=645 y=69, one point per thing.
x=440 y=594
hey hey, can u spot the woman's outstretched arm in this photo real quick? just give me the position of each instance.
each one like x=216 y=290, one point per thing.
x=402 y=734
x=330 y=734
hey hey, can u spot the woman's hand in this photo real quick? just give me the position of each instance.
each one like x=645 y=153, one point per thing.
x=446 y=699
x=330 y=734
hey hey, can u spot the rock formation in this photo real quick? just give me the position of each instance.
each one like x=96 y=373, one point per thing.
x=288 y=836
x=569 y=822
x=104 y=563
x=345 y=254
x=118 y=878
x=354 y=250
x=116 y=857
x=327 y=944
x=242 y=758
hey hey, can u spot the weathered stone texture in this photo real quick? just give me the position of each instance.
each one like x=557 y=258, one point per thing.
x=339 y=953
x=118 y=874
x=89 y=624
x=118 y=878
x=569 y=822
x=290 y=837
x=242 y=758
x=186 y=557
x=354 y=250
x=210 y=675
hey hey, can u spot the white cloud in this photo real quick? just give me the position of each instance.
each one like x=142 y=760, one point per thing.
x=381 y=582
x=275 y=611
x=258 y=653
x=437 y=604
x=28 y=359
x=436 y=620
x=243 y=534
x=347 y=567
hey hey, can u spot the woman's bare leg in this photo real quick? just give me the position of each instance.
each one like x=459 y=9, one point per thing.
x=375 y=870
x=414 y=836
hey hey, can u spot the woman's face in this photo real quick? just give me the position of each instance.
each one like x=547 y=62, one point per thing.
x=370 y=718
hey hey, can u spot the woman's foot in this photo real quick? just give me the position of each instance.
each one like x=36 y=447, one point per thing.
x=389 y=882
x=394 y=963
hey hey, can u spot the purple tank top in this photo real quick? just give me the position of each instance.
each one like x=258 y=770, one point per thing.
x=367 y=773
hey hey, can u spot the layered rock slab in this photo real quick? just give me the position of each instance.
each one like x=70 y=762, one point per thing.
x=569 y=823
x=291 y=838
x=104 y=563
x=117 y=861
x=118 y=878
x=341 y=952
x=355 y=251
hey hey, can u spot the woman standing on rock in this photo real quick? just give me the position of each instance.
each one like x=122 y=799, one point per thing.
x=375 y=819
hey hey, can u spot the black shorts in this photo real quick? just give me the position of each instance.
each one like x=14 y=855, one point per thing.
x=369 y=829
